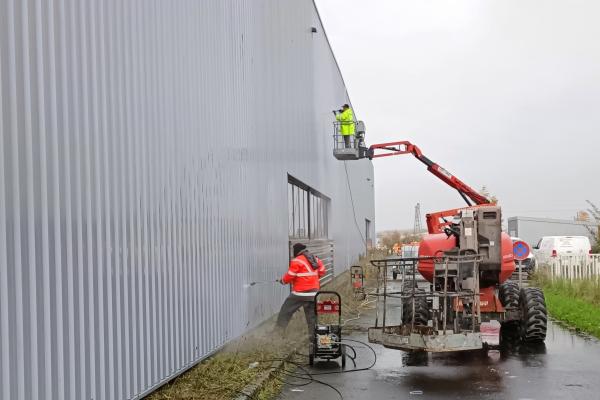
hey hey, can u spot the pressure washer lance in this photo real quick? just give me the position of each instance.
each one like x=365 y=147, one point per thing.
x=247 y=285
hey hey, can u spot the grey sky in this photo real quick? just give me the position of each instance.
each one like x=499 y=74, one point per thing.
x=501 y=93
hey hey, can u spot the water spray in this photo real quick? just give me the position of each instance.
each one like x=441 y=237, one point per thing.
x=247 y=285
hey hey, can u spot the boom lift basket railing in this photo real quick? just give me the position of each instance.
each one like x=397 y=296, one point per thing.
x=438 y=335
x=349 y=147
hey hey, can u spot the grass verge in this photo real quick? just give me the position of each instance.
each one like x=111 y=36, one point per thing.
x=577 y=303
x=575 y=312
x=220 y=377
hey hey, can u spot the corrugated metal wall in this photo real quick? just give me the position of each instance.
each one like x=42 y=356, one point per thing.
x=145 y=147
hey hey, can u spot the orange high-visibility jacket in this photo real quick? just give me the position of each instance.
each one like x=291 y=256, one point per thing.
x=303 y=277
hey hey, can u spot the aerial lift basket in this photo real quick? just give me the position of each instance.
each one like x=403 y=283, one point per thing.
x=355 y=149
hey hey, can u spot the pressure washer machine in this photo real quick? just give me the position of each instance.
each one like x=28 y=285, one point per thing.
x=357 y=280
x=326 y=342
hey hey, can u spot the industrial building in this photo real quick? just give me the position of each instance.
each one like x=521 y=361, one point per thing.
x=531 y=229
x=155 y=157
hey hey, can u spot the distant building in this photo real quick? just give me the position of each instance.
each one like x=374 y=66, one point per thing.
x=531 y=230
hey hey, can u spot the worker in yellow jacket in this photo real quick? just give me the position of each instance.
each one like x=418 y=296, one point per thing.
x=346 y=118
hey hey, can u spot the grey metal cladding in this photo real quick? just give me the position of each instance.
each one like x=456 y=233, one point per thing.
x=144 y=153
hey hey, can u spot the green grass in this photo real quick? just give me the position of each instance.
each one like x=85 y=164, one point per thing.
x=587 y=290
x=577 y=303
x=575 y=312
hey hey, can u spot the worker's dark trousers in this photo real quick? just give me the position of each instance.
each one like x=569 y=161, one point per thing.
x=347 y=141
x=292 y=304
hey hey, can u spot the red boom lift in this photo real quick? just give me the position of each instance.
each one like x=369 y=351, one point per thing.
x=468 y=262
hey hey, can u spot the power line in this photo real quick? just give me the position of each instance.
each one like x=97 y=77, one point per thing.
x=353 y=209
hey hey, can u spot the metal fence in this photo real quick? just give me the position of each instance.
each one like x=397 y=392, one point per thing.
x=574 y=267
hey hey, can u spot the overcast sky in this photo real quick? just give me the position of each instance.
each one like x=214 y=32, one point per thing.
x=501 y=93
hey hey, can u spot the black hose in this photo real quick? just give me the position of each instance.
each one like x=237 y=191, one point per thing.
x=352 y=370
x=309 y=377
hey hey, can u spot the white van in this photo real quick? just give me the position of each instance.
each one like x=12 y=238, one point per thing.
x=554 y=246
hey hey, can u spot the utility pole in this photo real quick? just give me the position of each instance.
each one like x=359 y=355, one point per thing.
x=417 y=227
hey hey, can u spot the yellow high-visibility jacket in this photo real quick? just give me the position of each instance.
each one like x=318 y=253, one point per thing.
x=347 y=122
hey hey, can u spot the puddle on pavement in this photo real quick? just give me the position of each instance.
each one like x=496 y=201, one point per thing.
x=500 y=370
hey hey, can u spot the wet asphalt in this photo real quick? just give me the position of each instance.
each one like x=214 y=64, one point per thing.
x=567 y=366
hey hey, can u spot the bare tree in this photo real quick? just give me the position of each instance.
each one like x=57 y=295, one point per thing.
x=390 y=238
x=484 y=191
x=594 y=227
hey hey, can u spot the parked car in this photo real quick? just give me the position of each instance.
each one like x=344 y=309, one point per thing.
x=529 y=263
x=407 y=251
x=555 y=246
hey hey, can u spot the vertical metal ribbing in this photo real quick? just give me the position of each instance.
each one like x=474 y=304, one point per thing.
x=97 y=221
x=5 y=373
x=160 y=193
x=58 y=336
x=130 y=266
x=116 y=152
x=45 y=356
x=125 y=269
x=171 y=271
x=137 y=198
x=137 y=133
x=107 y=381
x=28 y=177
x=66 y=204
x=147 y=269
x=89 y=264
x=75 y=167
x=150 y=172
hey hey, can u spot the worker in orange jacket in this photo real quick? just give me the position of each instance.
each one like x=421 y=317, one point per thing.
x=303 y=274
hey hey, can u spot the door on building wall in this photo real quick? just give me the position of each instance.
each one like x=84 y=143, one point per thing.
x=368 y=238
x=308 y=222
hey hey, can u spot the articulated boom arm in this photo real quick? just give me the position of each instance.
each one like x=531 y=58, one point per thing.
x=405 y=147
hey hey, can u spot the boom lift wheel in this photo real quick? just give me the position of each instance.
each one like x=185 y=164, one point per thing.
x=509 y=294
x=534 y=318
x=509 y=297
x=421 y=306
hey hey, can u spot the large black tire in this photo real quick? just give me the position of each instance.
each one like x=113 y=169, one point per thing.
x=509 y=294
x=509 y=297
x=421 y=307
x=534 y=317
